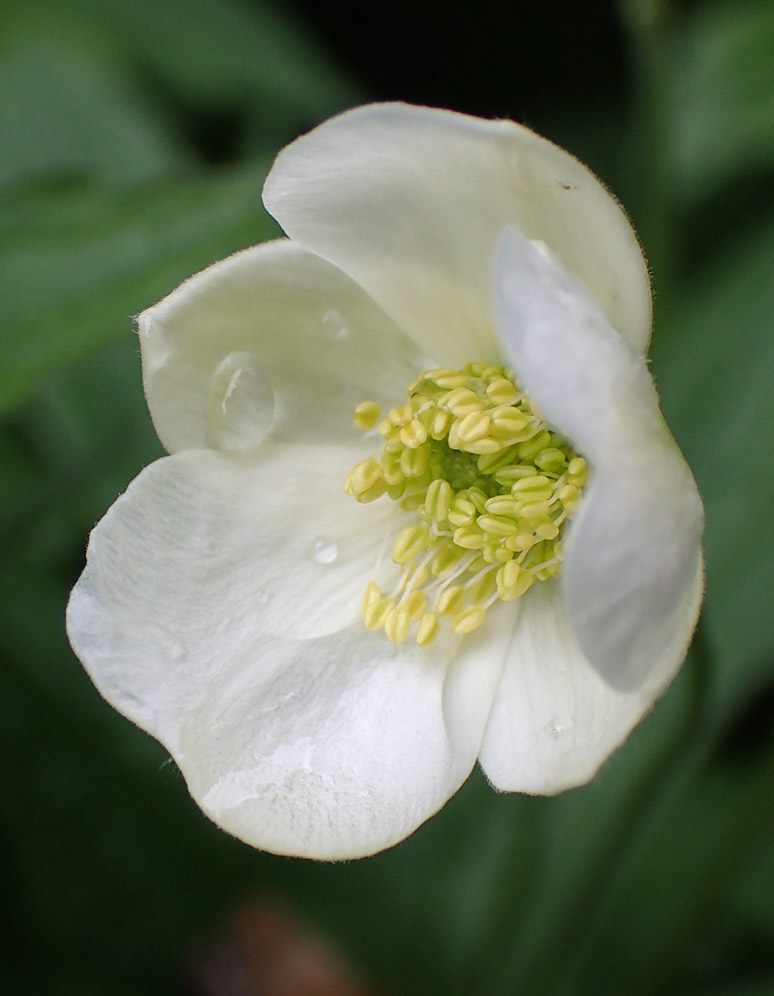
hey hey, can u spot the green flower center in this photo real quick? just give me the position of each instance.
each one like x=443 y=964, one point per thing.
x=491 y=487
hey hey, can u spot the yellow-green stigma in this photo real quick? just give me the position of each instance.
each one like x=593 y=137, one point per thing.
x=491 y=487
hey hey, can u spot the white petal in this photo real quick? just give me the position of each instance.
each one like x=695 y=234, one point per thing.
x=555 y=720
x=272 y=342
x=410 y=201
x=336 y=747
x=203 y=617
x=207 y=551
x=633 y=550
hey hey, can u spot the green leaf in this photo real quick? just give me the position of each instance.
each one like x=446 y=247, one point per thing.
x=713 y=355
x=71 y=105
x=111 y=91
x=722 y=100
x=79 y=262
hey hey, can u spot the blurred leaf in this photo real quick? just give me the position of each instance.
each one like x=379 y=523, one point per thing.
x=80 y=261
x=233 y=51
x=722 y=96
x=111 y=91
x=713 y=354
x=69 y=105
x=667 y=915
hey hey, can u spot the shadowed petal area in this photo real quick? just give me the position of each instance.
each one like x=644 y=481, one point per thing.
x=555 y=720
x=207 y=551
x=410 y=201
x=633 y=551
x=272 y=342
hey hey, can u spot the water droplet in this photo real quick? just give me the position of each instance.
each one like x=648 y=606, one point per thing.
x=561 y=726
x=335 y=323
x=240 y=405
x=324 y=550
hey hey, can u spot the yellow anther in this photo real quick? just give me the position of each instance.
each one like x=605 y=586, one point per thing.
x=537 y=488
x=438 y=500
x=489 y=486
x=502 y=505
x=501 y=391
x=508 y=422
x=520 y=542
x=449 y=379
x=551 y=460
x=415 y=605
x=469 y=537
x=442 y=372
x=512 y=591
x=477 y=496
x=577 y=471
x=461 y=402
x=451 y=600
x=397 y=625
x=428 y=629
x=367 y=415
x=491 y=463
x=400 y=416
x=535 y=510
x=569 y=495
x=473 y=426
x=483 y=446
x=446 y=558
x=412 y=500
x=372 y=596
x=375 y=613
x=408 y=543
x=497 y=525
x=508 y=476
x=508 y=574
x=363 y=477
x=414 y=462
x=374 y=492
x=391 y=471
x=468 y=620
x=413 y=434
x=547 y=530
x=529 y=448
x=440 y=426
x=462 y=512
x=483 y=588
x=417 y=576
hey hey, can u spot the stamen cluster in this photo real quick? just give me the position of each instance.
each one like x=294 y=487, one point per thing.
x=491 y=486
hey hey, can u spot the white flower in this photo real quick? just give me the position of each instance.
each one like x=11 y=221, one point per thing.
x=220 y=607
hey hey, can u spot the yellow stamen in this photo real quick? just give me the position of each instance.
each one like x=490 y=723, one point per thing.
x=490 y=488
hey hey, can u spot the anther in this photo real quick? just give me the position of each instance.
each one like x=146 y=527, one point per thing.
x=490 y=487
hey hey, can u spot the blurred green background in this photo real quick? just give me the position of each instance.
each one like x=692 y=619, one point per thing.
x=135 y=138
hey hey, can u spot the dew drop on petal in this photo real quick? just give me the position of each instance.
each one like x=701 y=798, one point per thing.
x=240 y=404
x=324 y=550
x=335 y=324
x=561 y=726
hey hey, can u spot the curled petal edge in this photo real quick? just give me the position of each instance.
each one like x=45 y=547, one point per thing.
x=633 y=551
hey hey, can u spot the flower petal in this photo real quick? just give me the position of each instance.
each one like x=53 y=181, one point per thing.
x=206 y=551
x=409 y=201
x=204 y=617
x=555 y=720
x=272 y=342
x=633 y=550
x=336 y=747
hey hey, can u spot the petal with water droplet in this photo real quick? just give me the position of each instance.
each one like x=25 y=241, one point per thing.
x=272 y=342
